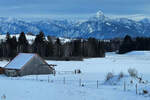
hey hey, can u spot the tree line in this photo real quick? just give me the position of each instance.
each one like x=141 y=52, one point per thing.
x=48 y=47
x=129 y=44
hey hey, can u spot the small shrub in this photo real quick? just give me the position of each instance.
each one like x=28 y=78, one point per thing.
x=3 y=97
x=140 y=80
x=109 y=76
x=78 y=71
x=145 y=92
x=131 y=81
x=133 y=72
x=83 y=85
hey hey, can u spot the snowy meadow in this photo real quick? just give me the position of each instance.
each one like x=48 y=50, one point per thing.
x=89 y=85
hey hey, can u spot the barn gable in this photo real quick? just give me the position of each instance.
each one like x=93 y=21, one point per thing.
x=36 y=66
x=27 y=64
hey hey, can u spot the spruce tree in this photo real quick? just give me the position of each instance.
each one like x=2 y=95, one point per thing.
x=22 y=43
x=127 y=45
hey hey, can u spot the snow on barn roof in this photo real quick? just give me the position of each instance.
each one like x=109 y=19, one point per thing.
x=20 y=60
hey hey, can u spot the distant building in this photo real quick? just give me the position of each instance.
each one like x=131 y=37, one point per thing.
x=28 y=64
x=2 y=70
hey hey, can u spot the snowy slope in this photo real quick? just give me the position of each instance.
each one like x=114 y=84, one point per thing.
x=33 y=90
x=112 y=62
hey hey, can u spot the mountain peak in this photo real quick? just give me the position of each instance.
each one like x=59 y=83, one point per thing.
x=145 y=20
x=99 y=14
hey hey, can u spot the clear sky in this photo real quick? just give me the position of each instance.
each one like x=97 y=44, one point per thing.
x=79 y=8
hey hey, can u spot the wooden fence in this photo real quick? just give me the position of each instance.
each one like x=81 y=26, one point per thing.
x=78 y=82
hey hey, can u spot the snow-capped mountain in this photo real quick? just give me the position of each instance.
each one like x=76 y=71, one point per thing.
x=145 y=20
x=98 y=26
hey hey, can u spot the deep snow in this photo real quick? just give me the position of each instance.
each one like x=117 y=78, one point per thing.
x=35 y=88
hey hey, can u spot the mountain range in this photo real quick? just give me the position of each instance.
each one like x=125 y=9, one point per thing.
x=98 y=26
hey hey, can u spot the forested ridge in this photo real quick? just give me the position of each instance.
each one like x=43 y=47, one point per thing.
x=50 y=48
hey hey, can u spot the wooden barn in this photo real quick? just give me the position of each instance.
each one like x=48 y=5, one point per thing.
x=27 y=64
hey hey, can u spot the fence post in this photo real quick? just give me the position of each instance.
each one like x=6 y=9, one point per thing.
x=48 y=78
x=97 y=83
x=54 y=72
x=124 y=86
x=136 y=88
x=52 y=81
x=79 y=82
x=64 y=80
x=36 y=77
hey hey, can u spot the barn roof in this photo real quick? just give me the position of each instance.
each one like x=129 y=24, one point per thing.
x=20 y=60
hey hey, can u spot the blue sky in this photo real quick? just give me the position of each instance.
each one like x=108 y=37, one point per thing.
x=80 y=8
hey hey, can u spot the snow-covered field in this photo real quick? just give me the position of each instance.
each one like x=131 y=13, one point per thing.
x=66 y=86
